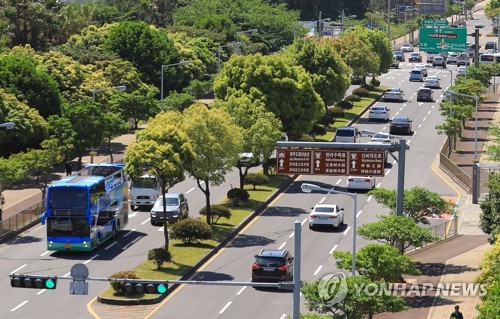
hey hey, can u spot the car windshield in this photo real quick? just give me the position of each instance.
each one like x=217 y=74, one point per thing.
x=345 y=133
x=415 y=54
x=378 y=108
x=400 y=120
x=397 y=52
x=380 y=136
x=270 y=261
x=324 y=209
x=171 y=201
x=416 y=72
x=424 y=90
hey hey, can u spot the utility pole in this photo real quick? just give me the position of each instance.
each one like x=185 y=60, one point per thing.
x=320 y=32
x=389 y=20
x=343 y=21
x=476 y=49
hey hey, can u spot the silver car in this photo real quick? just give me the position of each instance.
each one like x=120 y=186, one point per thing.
x=393 y=94
x=379 y=112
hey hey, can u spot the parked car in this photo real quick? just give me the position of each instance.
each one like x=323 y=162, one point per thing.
x=272 y=266
x=415 y=57
x=393 y=94
x=407 y=47
x=423 y=68
x=452 y=58
x=425 y=94
x=400 y=125
x=177 y=209
x=395 y=64
x=347 y=134
x=379 y=112
x=326 y=215
x=361 y=182
x=439 y=61
x=416 y=75
x=398 y=55
x=432 y=81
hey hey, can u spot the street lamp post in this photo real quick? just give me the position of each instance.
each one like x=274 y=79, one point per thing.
x=238 y=50
x=163 y=67
x=235 y=44
x=307 y=188
x=343 y=19
x=120 y=88
x=476 y=98
x=389 y=20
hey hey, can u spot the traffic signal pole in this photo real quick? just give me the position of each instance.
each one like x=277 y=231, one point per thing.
x=476 y=49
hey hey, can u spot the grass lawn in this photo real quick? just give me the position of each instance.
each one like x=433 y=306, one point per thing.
x=351 y=114
x=185 y=256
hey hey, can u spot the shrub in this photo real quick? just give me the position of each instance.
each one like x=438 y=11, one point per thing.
x=336 y=111
x=119 y=287
x=375 y=82
x=368 y=87
x=306 y=138
x=326 y=120
x=236 y=195
x=159 y=256
x=190 y=230
x=362 y=91
x=256 y=179
x=216 y=212
x=352 y=98
x=345 y=105
x=317 y=130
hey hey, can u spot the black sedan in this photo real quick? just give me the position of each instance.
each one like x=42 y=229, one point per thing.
x=400 y=125
x=398 y=55
x=415 y=57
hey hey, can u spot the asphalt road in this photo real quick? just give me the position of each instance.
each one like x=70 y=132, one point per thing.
x=273 y=229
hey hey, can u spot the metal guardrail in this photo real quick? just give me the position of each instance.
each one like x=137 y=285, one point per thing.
x=22 y=220
x=456 y=172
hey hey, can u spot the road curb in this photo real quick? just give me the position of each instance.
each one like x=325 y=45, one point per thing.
x=190 y=272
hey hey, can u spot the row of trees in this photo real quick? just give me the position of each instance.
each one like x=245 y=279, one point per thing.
x=379 y=264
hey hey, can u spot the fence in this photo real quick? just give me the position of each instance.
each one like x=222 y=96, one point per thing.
x=442 y=231
x=456 y=172
x=21 y=221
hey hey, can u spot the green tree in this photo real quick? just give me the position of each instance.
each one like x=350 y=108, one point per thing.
x=357 y=304
x=113 y=126
x=164 y=151
x=490 y=277
x=490 y=215
x=418 y=204
x=378 y=263
x=287 y=91
x=217 y=141
x=451 y=127
x=135 y=106
x=21 y=76
x=11 y=171
x=482 y=74
x=493 y=149
x=329 y=73
x=400 y=232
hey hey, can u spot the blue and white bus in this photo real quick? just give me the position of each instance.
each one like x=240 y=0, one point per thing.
x=87 y=208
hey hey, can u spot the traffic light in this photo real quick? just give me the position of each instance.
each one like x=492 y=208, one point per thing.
x=35 y=282
x=479 y=26
x=145 y=287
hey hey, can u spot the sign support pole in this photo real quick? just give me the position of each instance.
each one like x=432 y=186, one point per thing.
x=401 y=177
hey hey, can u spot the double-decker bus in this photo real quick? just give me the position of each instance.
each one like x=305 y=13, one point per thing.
x=87 y=208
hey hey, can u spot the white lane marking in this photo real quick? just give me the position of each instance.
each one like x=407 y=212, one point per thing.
x=400 y=109
x=396 y=113
x=291 y=235
x=369 y=198
x=419 y=125
x=282 y=245
x=129 y=232
x=338 y=182
x=420 y=104
x=318 y=270
x=347 y=230
x=394 y=162
x=19 y=306
x=16 y=270
x=189 y=191
x=241 y=290
x=160 y=229
x=144 y=222
x=359 y=213
x=387 y=173
x=322 y=200
x=425 y=118
x=433 y=106
x=92 y=258
x=410 y=140
x=333 y=249
x=303 y=222
x=41 y=292
x=283 y=316
x=67 y=275
x=45 y=253
x=378 y=185
x=225 y=307
x=428 y=112
x=133 y=214
x=109 y=246
x=385 y=127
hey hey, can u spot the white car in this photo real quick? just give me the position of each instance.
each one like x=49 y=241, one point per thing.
x=421 y=67
x=379 y=112
x=407 y=47
x=327 y=215
x=432 y=82
x=361 y=182
x=381 y=138
x=452 y=58
x=461 y=70
x=394 y=94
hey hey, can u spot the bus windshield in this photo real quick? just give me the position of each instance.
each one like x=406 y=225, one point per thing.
x=68 y=198
x=68 y=226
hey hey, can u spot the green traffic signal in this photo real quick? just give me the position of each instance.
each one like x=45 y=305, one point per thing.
x=144 y=287
x=35 y=282
x=161 y=289
x=50 y=284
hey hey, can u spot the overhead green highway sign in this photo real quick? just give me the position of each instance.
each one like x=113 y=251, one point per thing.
x=443 y=39
x=435 y=23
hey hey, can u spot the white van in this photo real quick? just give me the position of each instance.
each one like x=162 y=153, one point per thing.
x=143 y=191
x=347 y=134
